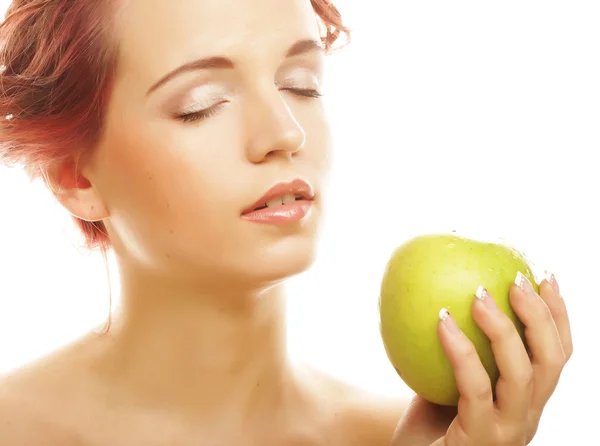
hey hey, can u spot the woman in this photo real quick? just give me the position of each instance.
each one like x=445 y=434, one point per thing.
x=189 y=137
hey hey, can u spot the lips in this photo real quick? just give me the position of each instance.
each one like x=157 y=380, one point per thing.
x=283 y=193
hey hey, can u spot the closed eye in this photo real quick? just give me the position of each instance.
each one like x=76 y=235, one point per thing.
x=207 y=113
x=304 y=92
x=200 y=114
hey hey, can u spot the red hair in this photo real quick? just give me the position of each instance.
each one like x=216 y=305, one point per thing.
x=58 y=62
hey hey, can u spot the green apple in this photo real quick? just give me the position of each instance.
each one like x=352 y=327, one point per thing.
x=432 y=272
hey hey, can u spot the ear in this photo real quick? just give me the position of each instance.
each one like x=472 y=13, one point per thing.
x=74 y=191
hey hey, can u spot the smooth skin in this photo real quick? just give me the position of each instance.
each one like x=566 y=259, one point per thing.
x=197 y=352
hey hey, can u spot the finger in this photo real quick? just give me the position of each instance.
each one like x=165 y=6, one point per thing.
x=515 y=384
x=547 y=355
x=476 y=404
x=550 y=293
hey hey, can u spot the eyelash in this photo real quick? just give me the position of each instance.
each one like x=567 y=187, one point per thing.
x=305 y=92
x=207 y=113
x=200 y=115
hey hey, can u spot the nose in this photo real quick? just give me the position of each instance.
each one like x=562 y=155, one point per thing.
x=272 y=128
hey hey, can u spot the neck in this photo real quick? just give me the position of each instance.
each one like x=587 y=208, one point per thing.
x=188 y=347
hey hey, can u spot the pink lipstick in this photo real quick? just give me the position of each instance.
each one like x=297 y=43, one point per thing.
x=285 y=202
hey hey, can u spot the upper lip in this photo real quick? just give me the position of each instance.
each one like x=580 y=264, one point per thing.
x=298 y=187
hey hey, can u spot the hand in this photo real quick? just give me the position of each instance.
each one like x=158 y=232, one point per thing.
x=526 y=380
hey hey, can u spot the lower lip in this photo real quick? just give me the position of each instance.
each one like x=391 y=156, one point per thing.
x=287 y=213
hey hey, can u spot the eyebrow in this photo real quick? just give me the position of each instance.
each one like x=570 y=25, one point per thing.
x=220 y=62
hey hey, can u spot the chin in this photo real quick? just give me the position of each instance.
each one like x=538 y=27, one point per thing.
x=288 y=258
x=281 y=254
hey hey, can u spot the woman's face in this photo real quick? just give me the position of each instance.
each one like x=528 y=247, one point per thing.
x=187 y=150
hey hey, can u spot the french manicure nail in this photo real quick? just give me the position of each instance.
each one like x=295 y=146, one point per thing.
x=485 y=298
x=551 y=279
x=523 y=282
x=449 y=321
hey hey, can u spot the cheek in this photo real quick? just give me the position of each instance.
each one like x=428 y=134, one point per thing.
x=318 y=147
x=165 y=181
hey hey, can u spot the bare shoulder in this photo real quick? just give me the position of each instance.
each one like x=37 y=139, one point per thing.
x=362 y=417
x=31 y=401
x=23 y=423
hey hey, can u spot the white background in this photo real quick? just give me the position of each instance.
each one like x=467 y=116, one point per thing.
x=476 y=116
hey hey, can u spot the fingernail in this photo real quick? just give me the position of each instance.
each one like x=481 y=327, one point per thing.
x=523 y=282
x=551 y=279
x=449 y=321
x=485 y=298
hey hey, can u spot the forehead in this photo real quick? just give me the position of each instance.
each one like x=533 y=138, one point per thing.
x=161 y=34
